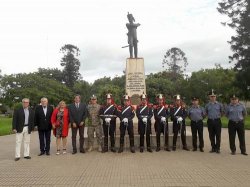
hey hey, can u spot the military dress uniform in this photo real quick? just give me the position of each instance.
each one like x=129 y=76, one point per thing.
x=108 y=114
x=161 y=115
x=214 y=111
x=197 y=114
x=126 y=114
x=178 y=114
x=94 y=125
x=144 y=113
x=236 y=112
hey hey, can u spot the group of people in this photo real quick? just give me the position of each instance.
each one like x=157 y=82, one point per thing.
x=101 y=120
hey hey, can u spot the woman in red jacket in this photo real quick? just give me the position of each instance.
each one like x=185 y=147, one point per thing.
x=60 y=124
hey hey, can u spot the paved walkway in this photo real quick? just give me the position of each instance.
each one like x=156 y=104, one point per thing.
x=178 y=168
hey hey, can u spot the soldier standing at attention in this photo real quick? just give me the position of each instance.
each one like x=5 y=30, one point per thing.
x=236 y=112
x=126 y=114
x=214 y=111
x=161 y=115
x=197 y=113
x=94 y=124
x=108 y=114
x=178 y=114
x=144 y=113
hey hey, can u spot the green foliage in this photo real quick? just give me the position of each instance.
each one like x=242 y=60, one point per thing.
x=34 y=87
x=238 y=11
x=204 y=80
x=53 y=73
x=71 y=64
x=176 y=61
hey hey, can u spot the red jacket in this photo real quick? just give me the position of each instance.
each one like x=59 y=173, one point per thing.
x=65 y=128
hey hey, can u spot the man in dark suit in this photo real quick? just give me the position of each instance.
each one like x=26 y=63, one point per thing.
x=77 y=116
x=43 y=115
x=22 y=125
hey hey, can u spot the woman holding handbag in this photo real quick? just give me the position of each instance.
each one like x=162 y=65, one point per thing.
x=60 y=125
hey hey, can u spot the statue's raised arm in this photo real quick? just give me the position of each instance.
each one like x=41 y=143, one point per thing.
x=132 y=35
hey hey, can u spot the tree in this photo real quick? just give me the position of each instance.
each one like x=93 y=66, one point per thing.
x=201 y=82
x=71 y=64
x=34 y=87
x=53 y=73
x=238 y=11
x=176 y=61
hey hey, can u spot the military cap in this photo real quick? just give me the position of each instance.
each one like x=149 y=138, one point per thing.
x=159 y=96
x=212 y=93
x=93 y=97
x=194 y=98
x=234 y=96
x=177 y=97
x=108 y=96
x=143 y=96
x=126 y=97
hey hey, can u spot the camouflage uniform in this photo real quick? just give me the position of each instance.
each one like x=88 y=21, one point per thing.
x=94 y=124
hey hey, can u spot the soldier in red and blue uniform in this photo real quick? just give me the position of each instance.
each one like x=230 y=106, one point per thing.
x=108 y=114
x=178 y=114
x=161 y=115
x=144 y=113
x=126 y=114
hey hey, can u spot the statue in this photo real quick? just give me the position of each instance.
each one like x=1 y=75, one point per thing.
x=132 y=35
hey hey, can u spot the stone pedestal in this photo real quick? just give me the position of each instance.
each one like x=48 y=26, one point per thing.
x=135 y=79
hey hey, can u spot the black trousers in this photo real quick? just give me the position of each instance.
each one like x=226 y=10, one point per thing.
x=81 y=139
x=130 y=129
x=177 y=127
x=234 y=127
x=214 y=130
x=141 y=129
x=44 y=139
x=111 y=130
x=197 y=128
x=161 y=128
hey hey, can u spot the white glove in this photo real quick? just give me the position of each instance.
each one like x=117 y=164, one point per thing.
x=125 y=120
x=163 y=119
x=179 y=119
x=144 y=120
x=107 y=120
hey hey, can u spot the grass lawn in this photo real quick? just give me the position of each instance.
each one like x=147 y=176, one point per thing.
x=5 y=125
x=224 y=121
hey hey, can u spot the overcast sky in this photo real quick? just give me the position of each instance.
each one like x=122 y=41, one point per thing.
x=33 y=31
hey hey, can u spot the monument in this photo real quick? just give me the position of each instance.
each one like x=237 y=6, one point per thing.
x=135 y=73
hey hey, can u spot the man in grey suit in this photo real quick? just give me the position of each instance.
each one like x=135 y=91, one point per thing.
x=77 y=116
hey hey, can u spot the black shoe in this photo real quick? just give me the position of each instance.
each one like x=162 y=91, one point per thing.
x=120 y=150
x=233 y=153
x=149 y=150
x=185 y=148
x=104 y=150
x=194 y=149
x=47 y=153
x=82 y=151
x=132 y=149
x=141 y=150
x=244 y=153
x=112 y=149
x=174 y=148
x=157 y=149
x=27 y=157
x=41 y=153
x=16 y=159
x=201 y=150
x=212 y=151
x=167 y=149
x=218 y=151
x=74 y=152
